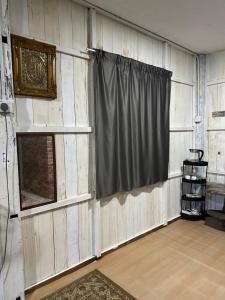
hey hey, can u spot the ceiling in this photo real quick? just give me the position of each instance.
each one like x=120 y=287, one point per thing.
x=198 y=25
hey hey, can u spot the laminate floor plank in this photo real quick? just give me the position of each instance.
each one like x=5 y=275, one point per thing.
x=185 y=260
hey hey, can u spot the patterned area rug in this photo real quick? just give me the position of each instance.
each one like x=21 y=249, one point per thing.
x=92 y=286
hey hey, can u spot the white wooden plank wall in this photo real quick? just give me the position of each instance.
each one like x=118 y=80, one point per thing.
x=129 y=214
x=69 y=238
x=57 y=240
x=215 y=101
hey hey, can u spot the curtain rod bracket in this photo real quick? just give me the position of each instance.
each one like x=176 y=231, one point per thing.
x=91 y=50
x=88 y=50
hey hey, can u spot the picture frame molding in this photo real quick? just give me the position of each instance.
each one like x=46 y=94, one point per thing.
x=18 y=43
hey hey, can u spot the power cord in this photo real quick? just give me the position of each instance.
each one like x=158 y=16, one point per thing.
x=7 y=186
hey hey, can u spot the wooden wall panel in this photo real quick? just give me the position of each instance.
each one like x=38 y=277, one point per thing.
x=122 y=216
x=62 y=22
x=65 y=20
x=51 y=21
x=182 y=64
x=181 y=106
x=69 y=116
x=174 y=194
x=81 y=91
x=85 y=230
x=38 y=247
x=215 y=67
x=44 y=242
x=216 y=151
x=59 y=218
x=41 y=20
x=70 y=143
x=79 y=26
x=55 y=107
x=70 y=232
x=71 y=106
x=72 y=235
x=215 y=135
x=82 y=163
x=24 y=111
x=3 y=191
x=216 y=102
x=120 y=39
x=56 y=240
x=36 y=18
x=60 y=167
x=218 y=178
x=29 y=251
x=11 y=276
x=129 y=214
x=180 y=143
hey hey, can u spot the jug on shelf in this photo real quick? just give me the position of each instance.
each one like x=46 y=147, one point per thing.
x=197 y=154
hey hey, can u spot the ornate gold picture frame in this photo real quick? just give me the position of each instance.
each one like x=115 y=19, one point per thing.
x=34 y=68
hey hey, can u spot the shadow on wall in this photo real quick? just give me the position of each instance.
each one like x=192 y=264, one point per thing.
x=122 y=197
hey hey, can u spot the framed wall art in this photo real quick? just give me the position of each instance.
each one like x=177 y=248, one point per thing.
x=34 y=68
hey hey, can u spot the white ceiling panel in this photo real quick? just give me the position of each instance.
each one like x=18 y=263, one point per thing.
x=198 y=25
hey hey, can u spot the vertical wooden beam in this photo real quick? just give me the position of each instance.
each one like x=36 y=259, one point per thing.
x=164 y=187
x=11 y=277
x=96 y=216
x=164 y=199
x=201 y=129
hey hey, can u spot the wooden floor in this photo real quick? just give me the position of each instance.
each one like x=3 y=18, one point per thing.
x=185 y=260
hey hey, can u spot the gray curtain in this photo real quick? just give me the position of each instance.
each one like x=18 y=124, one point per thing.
x=132 y=123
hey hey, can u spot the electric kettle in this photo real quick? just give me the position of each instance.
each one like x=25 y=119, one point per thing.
x=198 y=154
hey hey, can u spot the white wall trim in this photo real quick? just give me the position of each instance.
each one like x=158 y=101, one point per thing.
x=219 y=173
x=81 y=129
x=181 y=129
x=216 y=129
x=174 y=175
x=192 y=84
x=53 y=129
x=215 y=82
x=173 y=218
x=55 y=205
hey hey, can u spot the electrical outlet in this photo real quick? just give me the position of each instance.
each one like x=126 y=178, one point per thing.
x=6 y=107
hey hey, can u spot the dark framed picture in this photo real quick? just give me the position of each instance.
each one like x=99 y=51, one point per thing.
x=34 y=68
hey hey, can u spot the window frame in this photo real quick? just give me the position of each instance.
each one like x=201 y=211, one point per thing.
x=18 y=135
